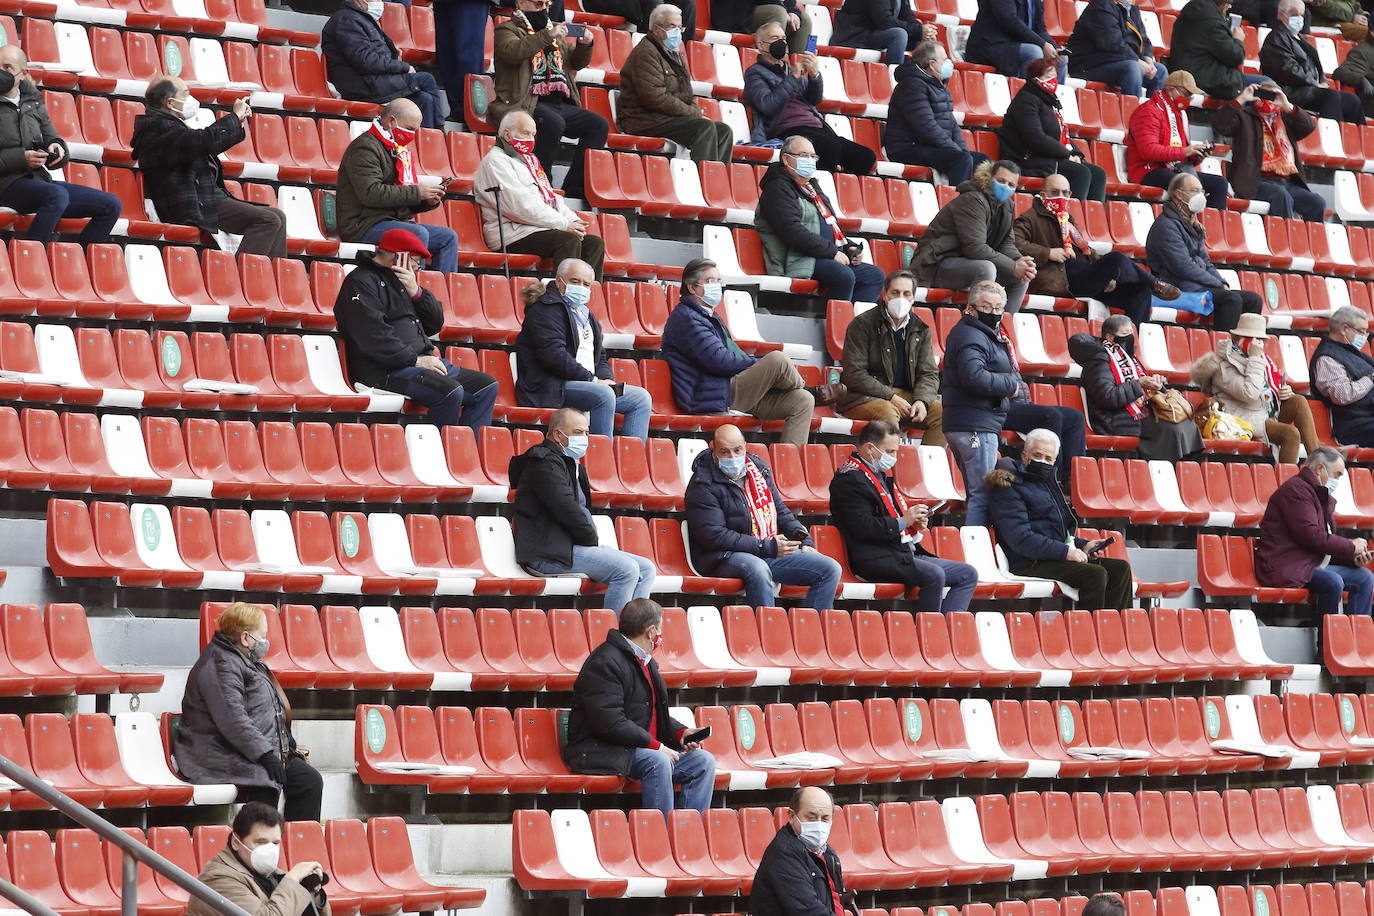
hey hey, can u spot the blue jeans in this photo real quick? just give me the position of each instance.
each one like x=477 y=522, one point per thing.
x=852 y=283
x=626 y=575
x=974 y=463
x=695 y=771
x=932 y=576
x=955 y=164
x=1030 y=52
x=1125 y=75
x=50 y=201
x=441 y=241
x=462 y=397
x=1288 y=198
x=1328 y=583
x=894 y=40
x=815 y=570
x=601 y=405
x=426 y=97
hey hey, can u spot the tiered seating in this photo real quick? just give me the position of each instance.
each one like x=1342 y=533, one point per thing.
x=50 y=654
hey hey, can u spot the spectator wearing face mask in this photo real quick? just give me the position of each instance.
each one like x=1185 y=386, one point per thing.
x=532 y=217
x=362 y=62
x=1290 y=59
x=1266 y=163
x=1157 y=144
x=800 y=874
x=921 y=128
x=247 y=871
x=1109 y=44
x=800 y=233
x=234 y=719
x=182 y=174
x=970 y=239
x=656 y=98
x=1034 y=135
x=1176 y=250
x=1342 y=374
x=1067 y=266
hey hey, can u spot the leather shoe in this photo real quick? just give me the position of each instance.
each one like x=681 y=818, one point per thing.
x=1165 y=291
x=826 y=395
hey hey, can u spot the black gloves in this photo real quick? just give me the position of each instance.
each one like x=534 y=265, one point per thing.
x=276 y=770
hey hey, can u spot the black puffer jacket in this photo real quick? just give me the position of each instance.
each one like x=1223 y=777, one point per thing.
x=612 y=708
x=718 y=520
x=1030 y=127
x=1029 y=513
x=921 y=112
x=180 y=166
x=360 y=59
x=791 y=881
x=383 y=328
x=1105 y=399
x=1107 y=33
x=546 y=351
x=23 y=128
x=549 y=520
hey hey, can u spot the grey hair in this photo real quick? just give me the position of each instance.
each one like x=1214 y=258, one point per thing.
x=1178 y=181
x=924 y=53
x=1113 y=324
x=511 y=118
x=984 y=288
x=1290 y=4
x=1323 y=456
x=1347 y=316
x=567 y=264
x=792 y=138
x=662 y=12
x=1038 y=435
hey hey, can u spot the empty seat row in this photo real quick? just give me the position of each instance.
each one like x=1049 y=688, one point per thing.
x=1226 y=568
x=371 y=867
x=243 y=19
x=1348 y=645
x=49 y=653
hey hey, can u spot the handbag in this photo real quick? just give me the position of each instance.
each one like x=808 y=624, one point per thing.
x=1169 y=406
x=1215 y=423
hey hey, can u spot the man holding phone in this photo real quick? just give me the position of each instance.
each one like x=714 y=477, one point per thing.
x=620 y=725
x=1266 y=163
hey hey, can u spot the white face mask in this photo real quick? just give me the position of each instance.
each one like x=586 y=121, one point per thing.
x=374 y=9
x=1198 y=202
x=1332 y=485
x=263 y=859
x=188 y=107
x=898 y=308
x=814 y=834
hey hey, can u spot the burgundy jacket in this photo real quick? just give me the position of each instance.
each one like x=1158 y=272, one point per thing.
x=1296 y=534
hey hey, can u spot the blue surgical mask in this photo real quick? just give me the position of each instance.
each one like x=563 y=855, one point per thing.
x=814 y=834
x=711 y=293
x=374 y=9
x=576 y=447
x=946 y=70
x=1332 y=485
x=1295 y=23
x=886 y=462
x=577 y=294
x=673 y=40
x=805 y=166
x=1359 y=341
x=1002 y=192
x=733 y=466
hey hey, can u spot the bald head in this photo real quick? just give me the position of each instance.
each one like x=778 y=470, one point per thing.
x=727 y=441
x=402 y=113
x=516 y=124
x=812 y=812
x=13 y=62
x=1056 y=185
x=165 y=93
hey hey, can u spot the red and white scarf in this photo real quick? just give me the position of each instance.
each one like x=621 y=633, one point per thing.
x=763 y=514
x=1051 y=86
x=1273 y=380
x=405 y=162
x=892 y=501
x=1059 y=209
x=1177 y=121
x=1126 y=368
x=810 y=193
x=541 y=180
x=1277 y=155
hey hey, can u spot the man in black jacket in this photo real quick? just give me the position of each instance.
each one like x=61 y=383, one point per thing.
x=620 y=725
x=554 y=532
x=386 y=319
x=799 y=875
x=921 y=128
x=1290 y=60
x=1109 y=44
x=881 y=24
x=883 y=534
x=362 y=62
x=182 y=174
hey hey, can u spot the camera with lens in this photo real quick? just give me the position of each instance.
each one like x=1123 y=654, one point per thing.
x=314 y=882
x=851 y=249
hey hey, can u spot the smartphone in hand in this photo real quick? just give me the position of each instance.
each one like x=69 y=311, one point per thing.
x=576 y=30
x=811 y=44
x=1103 y=546
x=697 y=736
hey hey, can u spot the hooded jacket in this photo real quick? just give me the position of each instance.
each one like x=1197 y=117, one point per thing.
x=22 y=128
x=613 y=706
x=790 y=227
x=973 y=225
x=232 y=714
x=1032 y=519
x=523 y=209
x=1105 y=399
x=548 y=518
x=1289 y=60
x=180 y=165
x=512 y=59
x=1030 y=128
x=383 y=328
x=702 y=357
x=1203 y=45
x=1000 y=28
x=867 y=365
x=791 y=879
x=1176 y=252
x=718 y=518
x=921 y=112
x=1236 y=381
x=361 y=60
x=546 y=351
x=368 y=192
x=767 y=90
x=655 y=87
x=978 y=381
x=1298 y=532
x=1246 y=128
x=1106 y=33
x=227 y=874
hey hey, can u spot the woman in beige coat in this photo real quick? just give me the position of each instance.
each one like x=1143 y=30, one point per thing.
x=1247 y=384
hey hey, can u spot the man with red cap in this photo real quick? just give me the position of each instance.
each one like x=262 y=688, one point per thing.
x=386 y=319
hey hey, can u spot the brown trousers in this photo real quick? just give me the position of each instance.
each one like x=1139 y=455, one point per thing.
x=1292 y=426
x=877 y=409
x=772 y=389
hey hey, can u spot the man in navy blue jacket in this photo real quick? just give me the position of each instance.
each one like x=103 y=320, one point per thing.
x=799 y=874
x=711 y=374
x=362 y=62
x=1035 y=526
x=1109 y=44
x=738 y=526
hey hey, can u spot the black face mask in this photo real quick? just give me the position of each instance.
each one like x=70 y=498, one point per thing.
x=778 y=49
x=1039 y=469
x=1126 y=343
x=537 y=20
x=990 y=319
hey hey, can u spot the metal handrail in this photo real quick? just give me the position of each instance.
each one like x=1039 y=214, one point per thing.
x=133 y=851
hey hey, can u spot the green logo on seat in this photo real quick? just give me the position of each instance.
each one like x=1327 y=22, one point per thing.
x=171 y=59
x=1066 y=726
x=1347 y=715
x=152 y=529
x=478 y=100
x=348 y=537
x=914 y=723
x=1261 y=903
x=1271 y=292
x=171 y=356
x=376 y=731
x=744 y=724
x=1212 y=715
x=329 y=210
x=562 y=726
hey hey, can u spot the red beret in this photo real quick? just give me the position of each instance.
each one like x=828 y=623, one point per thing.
x=399 y=240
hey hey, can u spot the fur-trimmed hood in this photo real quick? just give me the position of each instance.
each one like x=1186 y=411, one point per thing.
x=1007 y=472
x=1209 y=364
x=981 y=180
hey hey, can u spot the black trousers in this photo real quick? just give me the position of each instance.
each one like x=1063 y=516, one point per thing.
x=556 y=117
x=1328 y=103
x=637 y=11
x=1101 y=583
x=1087 y=180
x=1229 y=304
x=835 y=152
x=1214 y=186
x=304 y=789
x=559 y=244
x=1134 y=285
